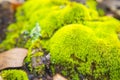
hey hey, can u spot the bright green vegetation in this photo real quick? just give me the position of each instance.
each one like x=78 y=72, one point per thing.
x=50 y=15
x=14 y=75
x=80 y=41
x=91 y=53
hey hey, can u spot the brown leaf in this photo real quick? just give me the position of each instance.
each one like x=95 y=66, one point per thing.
x=12 y=58
x=59 y=77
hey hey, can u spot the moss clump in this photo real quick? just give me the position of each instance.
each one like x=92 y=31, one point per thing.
x=77 y=50
x=68 y=36
x=40 y=4
x=71 y=13
x=14 y=75
x=105 y=30
x=60 y=13
x=48 y=21
x=26 y=21
x=92 y=4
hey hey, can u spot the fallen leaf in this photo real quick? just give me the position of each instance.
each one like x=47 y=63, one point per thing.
x=12 y=58
x=59 y=77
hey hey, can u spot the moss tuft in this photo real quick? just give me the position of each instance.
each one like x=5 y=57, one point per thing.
x=71 y=13
x=14 y=75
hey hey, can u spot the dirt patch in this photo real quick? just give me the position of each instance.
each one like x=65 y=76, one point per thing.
x=6 y=18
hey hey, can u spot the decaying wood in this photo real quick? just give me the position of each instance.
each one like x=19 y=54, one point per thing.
x=12 y=58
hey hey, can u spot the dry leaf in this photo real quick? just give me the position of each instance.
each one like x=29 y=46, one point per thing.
x=12 y=58
x=59 y=77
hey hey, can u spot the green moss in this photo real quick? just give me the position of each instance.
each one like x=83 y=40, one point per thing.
x=40 y=4
x=72 y=13
x=101 y=12
x=93 y=14
x=68 y=35
x=14 y=75
x=78 y=46
x=12 y=33
x=89 y=47
x=92 y=4
x=104 y=29
x=60 y=13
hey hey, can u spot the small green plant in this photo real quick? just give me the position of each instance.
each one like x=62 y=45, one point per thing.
x=35 y=53
x=14 y=75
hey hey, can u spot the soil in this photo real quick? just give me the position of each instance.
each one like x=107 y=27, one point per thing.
x=6 y=18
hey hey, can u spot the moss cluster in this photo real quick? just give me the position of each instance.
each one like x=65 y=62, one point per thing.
x=80 y=41
x=14 y=75
x=82 y=49
x=71 y=13
x=50 y=14
x=27 y=18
